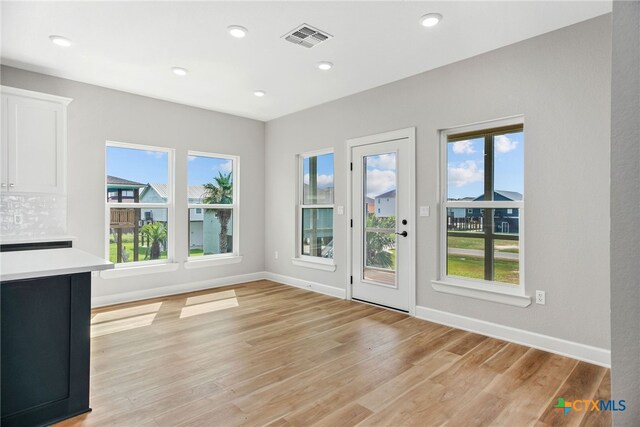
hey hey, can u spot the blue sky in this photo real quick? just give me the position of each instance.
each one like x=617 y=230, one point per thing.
x=203 y=169
x=325 y=170
x=151 y=166
x=137 y=165
x=381 y=174
x=466 y=165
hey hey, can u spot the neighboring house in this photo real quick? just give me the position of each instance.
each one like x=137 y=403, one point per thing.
x=385 y=204
x=506 y=220
x=122 y=188
x=369 y=205
x=202 y=222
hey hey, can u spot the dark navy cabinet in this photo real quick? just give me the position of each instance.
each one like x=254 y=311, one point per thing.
x=45 y=349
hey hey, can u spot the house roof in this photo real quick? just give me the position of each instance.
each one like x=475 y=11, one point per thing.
x=114 y=183
x=195 y=192
x=503 y=195
x=391 y=193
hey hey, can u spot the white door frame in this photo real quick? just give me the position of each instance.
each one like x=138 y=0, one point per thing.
x=410 y=135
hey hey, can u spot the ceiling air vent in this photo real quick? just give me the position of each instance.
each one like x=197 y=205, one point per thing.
x=307 y=36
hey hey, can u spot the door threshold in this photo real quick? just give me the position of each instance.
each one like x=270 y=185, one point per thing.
x=381 y=305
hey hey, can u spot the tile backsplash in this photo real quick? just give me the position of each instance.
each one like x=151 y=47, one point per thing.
x=32 y=216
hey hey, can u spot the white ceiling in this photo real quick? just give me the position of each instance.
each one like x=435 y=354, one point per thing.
x=131 y=46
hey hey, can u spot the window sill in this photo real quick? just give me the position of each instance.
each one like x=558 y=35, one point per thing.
x=493 y=295
x=319 y=264
x=117 y=273
x=211 y=262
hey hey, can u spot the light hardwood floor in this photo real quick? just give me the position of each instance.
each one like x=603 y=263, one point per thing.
x=263 y=353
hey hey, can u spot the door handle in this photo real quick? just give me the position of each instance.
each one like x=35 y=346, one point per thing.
x=11 y=185
x=403 y=234
x=4 y=185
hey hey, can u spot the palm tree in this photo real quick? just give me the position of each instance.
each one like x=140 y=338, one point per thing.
x=220 y=193
x=379 y=243
x=155 y=234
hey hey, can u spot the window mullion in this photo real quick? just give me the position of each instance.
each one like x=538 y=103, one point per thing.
x=488 y=212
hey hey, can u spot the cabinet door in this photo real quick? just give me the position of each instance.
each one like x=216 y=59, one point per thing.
x=4 y=176
x=35 y=145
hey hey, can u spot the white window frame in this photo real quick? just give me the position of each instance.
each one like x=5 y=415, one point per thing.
x=319 y=263
x=235 y=207
x=476 y=288
x=170 y=205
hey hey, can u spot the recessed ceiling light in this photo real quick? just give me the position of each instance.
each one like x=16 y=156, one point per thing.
x=259 y=93
x=60 y=41
x=237 y=31
x=325 y=65
x=179 y=71
x=430 y=19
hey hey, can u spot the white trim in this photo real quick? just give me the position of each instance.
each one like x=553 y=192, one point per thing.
x=407 y=133
x=305 y=284
x=453 y=285
x=500 y=294
x=139 y=270
x=235 y=206
x=300 y=206
x=169 y=205
x=8 y=90
x=211 y=261
x=324 y=264
x=163 y=291
x=587 y=353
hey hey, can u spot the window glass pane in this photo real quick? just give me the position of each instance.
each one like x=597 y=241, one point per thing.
x=465 y=169
x=506 y=261
x=379 y=189
x=137 y=175
x=210 y=180
x=317 y=232
x=508 y=166
x=210 y=231
x=139 y=234
x=318 y=180
x=465 y=257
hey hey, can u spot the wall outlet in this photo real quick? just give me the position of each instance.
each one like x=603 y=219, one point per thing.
x=275 y=254
x=17 y=219
x=540 y=297
x=424 y=210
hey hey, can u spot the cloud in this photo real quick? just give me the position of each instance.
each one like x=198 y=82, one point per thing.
x=155 y=154
x=463 y=147
x=503 y=144
x=383 y=161
x=226 y=166
x=380 y=181
x=465 y=173
x=323 y=180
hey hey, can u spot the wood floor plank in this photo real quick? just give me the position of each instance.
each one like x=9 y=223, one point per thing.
x=266 y=354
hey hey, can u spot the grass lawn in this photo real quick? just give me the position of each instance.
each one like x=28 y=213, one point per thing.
x=505 y=271
x=471 y=243
x=196 y=252
x=127 y=242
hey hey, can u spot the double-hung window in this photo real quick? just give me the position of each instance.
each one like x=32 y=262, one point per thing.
x=213 y=205
x=315 y=207
x=483 y=207
x=139 y=204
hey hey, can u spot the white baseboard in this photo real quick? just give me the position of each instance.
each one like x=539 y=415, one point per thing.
x=305 y=284
x=586 y=353
x=164 y=291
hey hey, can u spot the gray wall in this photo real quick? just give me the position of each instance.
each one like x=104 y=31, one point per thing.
x=561 y=83
x=625 y=199
x=98 y=114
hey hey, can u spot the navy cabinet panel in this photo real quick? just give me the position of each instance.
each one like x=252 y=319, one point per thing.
x=45 y=349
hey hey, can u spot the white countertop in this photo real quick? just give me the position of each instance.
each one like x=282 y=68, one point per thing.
x=18 y=265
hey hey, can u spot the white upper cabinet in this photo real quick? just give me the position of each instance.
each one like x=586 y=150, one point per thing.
x=34 y=132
